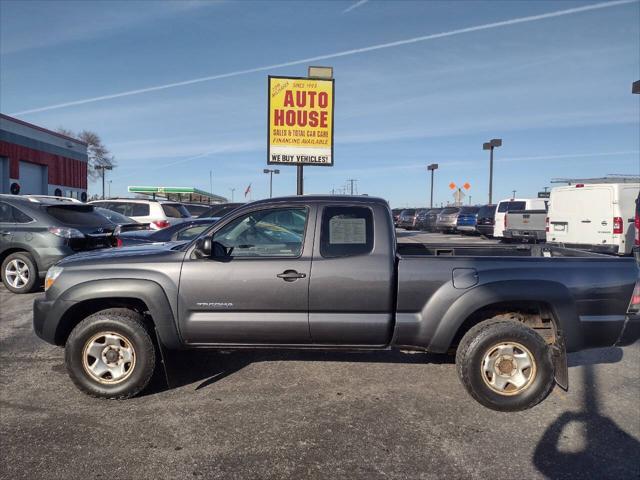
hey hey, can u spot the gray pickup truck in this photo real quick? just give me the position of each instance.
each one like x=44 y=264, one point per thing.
x=327 y=272
x=525 y=226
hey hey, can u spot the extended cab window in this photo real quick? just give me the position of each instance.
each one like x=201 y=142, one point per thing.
x=346 y=231
x=9 y=214
x=265 y=233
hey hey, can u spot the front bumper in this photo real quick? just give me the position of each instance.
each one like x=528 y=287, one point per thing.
x=466 y=228
x=47 y=315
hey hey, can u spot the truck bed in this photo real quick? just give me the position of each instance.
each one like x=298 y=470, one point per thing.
x=467 y=250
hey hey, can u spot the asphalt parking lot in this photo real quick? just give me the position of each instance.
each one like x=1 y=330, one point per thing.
x=275 y=414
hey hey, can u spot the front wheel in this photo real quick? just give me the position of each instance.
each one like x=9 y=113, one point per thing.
x=110 y=354
x=505 y=365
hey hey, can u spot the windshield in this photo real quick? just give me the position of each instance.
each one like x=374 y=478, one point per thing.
x=469 y=210
x=450 y=210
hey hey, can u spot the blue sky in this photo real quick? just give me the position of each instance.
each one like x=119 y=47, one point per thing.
x=557 y=89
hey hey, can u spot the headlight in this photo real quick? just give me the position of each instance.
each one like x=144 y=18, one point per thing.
x=53 y=273
x=65 y=232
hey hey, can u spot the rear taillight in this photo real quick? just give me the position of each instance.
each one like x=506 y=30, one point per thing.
x=618 y=227
x=637 y=223
x=634 y=306
x=546 y=224
x=161 y=223
x=118 y=242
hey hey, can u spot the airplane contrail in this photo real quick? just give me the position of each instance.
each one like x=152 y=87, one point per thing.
x=354 y=6
x=355 y=51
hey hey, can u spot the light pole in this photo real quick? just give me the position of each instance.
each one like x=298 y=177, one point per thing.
x=514 y=194
x=490 y=145
x=109 y=182
x=103 y=168
x=271 y=172
x=232 y=192
x=432 y=168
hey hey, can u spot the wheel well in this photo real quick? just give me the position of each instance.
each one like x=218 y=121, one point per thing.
x=9 y=251
x=537 y=315
x=82 y=310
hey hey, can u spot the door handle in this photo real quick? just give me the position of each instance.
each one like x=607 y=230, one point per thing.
x=291 y=275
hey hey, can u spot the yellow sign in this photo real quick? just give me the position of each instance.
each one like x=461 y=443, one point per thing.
x=300 y=121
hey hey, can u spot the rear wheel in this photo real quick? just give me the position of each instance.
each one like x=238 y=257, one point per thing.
x=19 y=272
x=110 y=354
x=505 y=365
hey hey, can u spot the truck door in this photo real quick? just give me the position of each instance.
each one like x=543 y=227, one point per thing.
x=352 y=276
x=258 y=295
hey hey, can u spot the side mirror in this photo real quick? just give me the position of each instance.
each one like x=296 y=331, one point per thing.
x=203 y=247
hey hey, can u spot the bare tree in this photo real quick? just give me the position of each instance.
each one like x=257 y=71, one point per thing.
x=97 y=152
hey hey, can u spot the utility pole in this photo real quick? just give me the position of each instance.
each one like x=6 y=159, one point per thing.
x=110 y=187
x=514 y=194
x=490 y=145
x=469 y=199
x=102 y=168
x=232 y=193
x=210 y=181
x=352 y=181
x=432 y=168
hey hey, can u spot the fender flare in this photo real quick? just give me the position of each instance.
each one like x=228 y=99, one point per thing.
x=554 y=294
x=147 y=291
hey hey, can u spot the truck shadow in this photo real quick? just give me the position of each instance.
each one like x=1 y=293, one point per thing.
x=604 y=449
x=208 y=366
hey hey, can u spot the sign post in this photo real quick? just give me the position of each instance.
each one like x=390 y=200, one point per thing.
x=301 y=121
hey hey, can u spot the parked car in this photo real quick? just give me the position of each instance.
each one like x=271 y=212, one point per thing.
x=220 y=210
x=36 y=233
x=407 y=218
x=123 y=223
x=396 y=216
x=197 y=209
x=447 y=220
x=427 y=219
x=467 y=219
x=508 y=204
x=596 y=216
x=187 y=230
x=486 y=220
x=157 y=213
x=511 y=313
x=525 y=226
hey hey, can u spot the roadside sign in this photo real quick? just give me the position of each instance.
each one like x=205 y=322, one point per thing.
x=300 y=121
x=544 y=194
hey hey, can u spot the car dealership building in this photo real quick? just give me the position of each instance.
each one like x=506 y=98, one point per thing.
x=34 y=160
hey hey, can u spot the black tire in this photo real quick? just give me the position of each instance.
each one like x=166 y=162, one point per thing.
x=127 y=324
x=476 y=345
x=26 y=259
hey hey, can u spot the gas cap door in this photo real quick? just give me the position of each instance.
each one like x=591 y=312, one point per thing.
x=464 y=277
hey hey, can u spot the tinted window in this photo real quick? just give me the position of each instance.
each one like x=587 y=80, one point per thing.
x=469 y=209
x=260 y=234
x=20 y=217
x=508 y=206
x=196 y=210
x=75 y=214
x=138 y=209
x=449 y=210
x=408 y=212
x=488 y=211
x=6 y=215
x=115 y=217
x=346 y=231
x=175 y=210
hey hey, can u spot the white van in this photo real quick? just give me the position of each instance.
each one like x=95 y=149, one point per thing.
x=595 y=216
x=510 y=204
